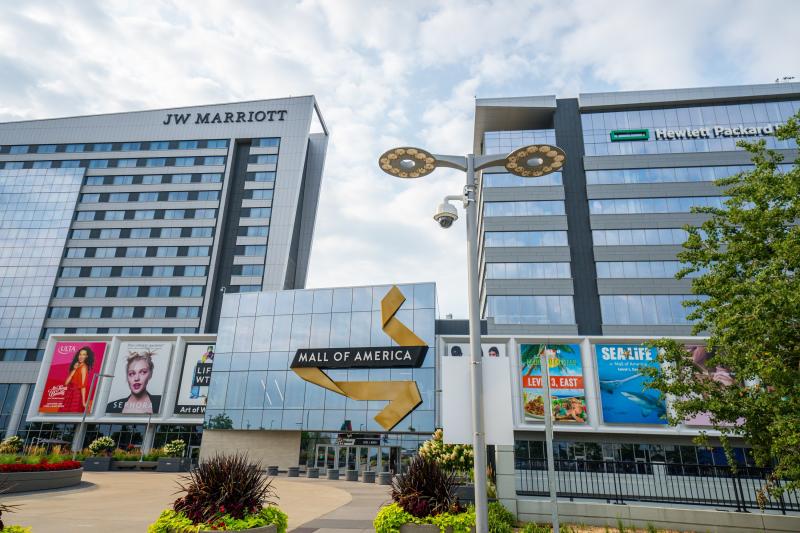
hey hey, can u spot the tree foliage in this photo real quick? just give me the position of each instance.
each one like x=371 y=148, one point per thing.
x=746 y=257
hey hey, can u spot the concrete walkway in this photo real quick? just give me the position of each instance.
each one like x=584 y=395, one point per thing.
x=127 y=502
x=355 y=516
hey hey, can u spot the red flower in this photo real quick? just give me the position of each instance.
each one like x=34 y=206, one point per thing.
x=41 y=467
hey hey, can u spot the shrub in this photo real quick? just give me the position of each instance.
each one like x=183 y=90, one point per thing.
x=224 y=485
x=175 y=448
x=451 y=457
x=425 y=489
x=501 y=520
x=12 y=444
x=172 y=521
x=391 y=517
x=154 y=454
x=101 y=445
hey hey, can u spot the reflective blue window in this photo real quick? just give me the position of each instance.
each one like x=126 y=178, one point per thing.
x=527 y=270
x=525 y=238
x=267 y=142
x=639 y=237
x=645 y=309
x=215 y=160
x=531 y=309
x=521 y=209
x=639 y=269
x=504 y=142
x=625 y=206
x=506 y=179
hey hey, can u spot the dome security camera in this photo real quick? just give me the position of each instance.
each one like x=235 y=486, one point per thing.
x=445 y=215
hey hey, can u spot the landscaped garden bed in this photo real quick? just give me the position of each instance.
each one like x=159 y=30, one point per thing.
x=225 y=493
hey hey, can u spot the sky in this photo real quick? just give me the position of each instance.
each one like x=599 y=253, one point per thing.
x=385 y=74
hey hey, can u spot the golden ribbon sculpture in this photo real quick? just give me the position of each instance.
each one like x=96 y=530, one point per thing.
x=403 y=396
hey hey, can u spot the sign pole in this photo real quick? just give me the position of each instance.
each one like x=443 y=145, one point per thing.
x=548 y=430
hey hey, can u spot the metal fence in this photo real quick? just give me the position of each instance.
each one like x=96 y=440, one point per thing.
x=623 y=481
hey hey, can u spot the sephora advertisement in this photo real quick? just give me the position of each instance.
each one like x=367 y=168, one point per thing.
x=195 y=378
x=69 y=379
x=624 y=397
x=140 y=374
x=566 y=382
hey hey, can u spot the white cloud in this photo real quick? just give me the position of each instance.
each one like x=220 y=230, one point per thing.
x=385 y=74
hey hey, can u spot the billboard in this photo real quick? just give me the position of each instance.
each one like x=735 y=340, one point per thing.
x=140 y=374
x=702 y=370
x=461 y=349
x=195 y=377
x=566 y=382
x=624 y=398
x=69 y=378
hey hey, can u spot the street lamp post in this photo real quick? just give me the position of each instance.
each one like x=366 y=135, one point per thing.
x=90 y=398
x=530 y=162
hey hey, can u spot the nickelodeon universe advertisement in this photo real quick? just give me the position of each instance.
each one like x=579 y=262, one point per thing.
x=68 y=388
x=625 y=399
x=139 y=378
x=195 y=378
x=566 y=382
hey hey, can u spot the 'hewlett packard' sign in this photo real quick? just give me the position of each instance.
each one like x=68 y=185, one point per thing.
x=380 y=357
x=665 y=134
x=227 y=117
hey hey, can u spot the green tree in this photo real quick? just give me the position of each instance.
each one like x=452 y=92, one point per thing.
x=746 y=257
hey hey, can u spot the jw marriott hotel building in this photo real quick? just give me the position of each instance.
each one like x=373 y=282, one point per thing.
x=140 y=222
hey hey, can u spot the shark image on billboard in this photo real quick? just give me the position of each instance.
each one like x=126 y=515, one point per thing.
x=624 y=397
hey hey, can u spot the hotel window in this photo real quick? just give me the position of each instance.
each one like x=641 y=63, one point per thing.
x=46 y=149
x=90 y=198
x=136 y=251
x=101 y=147
x=159 y=145
x=178 y=196
x=208 y=195
x=126 y=163
x=187 y=312
x=110 y=233
x=158 y=292
x=249 y=270
x=206 y=231
x=163 y=271
x=171 y=214
x=127 y=291
x=253 y=231
x=131 y=271
x=167 y=251
x=170 y=233
x=211 y=178
x=257 y=212
x=95 y=180
x=70 y=272
x=260 y=194
x=96 y=292
x=91 y=312
x=84 y=216
x=123 y=180
x=187 y=145
x=217 y=143
x=65 y=292
x=197 y=251
x=59 y=312
x=194 y=271
x=74 y=148
x=253 y=250
x=14 y=165
x=114 y=215
x=98 y=163
x=205 y=213
x=155 y=312
x=118 y=197
x=122 y=312
x=131 y=147
x=81 y=233
x=148 y=196
x=103 y=253
x=268 y=142
x=146 y=214
x=42 y=164
x=152 y=179
x=264 y=159
x=140 y=233
x=214 y=160
x=263 y=177
x=155 y=162
x=70 y=164
x=184 y=161
x=19 y=149
x=190 y=291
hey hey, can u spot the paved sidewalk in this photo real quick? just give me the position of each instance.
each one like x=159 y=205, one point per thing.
x=355 y=516
x=127 y=502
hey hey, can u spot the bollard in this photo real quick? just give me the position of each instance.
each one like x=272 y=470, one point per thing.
x=368 y=476
x=312 y=472
x=294 y=471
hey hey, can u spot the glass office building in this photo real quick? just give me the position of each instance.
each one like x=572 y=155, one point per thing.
x=139 y=223
x=592 y=250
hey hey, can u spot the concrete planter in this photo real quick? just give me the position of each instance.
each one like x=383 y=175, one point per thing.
x=312 y=472
x=333 y=473
x=294 y=471
x=272 y=470
x=423 y=528
x=97 y=464
x=134 y=465
x=27 y=481
x=173 y=464
x=368 y=477
x=385 y=478
x=262 y=529
x=351 y=475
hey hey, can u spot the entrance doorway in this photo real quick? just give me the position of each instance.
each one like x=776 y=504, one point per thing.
x=358 y=457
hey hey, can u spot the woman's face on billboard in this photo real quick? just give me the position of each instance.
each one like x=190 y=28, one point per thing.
x=138 y=376
x=82 y=356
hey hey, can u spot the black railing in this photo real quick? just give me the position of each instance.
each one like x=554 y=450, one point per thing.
x=624 y=481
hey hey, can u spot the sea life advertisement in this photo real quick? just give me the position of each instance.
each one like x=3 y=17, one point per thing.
x=624 y=397
x=566 y=382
